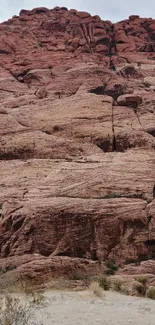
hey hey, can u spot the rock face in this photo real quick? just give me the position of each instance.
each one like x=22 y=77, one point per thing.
x=77 y=137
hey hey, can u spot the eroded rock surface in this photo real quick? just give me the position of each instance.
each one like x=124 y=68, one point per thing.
x=77 y=137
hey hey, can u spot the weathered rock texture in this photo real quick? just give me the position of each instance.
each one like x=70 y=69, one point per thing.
x=77 y=137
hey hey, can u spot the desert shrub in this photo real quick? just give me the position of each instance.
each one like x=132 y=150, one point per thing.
x=17 y=310
x=19 y=303
x=77 y=276
x=125 y=290
x=112 y=265
x=142 y=279
x=146 y=84
x=96 y=289
x=130 y=71
x=26 y=286
x=149 y=200
x=131 y=261
x=40 y=44
x=112 y=196
x=109 y=272
x=7 y=268
x=141 y=290
x=151 y=293
x=104 y=283
x=121 y=287
x=56 y=128
x=141 y=287
x=117 y=285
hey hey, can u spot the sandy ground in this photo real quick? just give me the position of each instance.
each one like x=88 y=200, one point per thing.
x=85 y=308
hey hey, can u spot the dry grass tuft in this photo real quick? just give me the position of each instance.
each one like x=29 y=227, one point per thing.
x=151 y=293
x=96 y=289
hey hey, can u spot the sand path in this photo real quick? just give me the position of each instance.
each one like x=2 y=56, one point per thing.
x=84 y=308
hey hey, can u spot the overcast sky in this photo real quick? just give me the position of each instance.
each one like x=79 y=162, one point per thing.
x=114 y=10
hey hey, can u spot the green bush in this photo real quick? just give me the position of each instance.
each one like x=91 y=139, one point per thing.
x=151 y=293
x=104 y=283
x=112 y=265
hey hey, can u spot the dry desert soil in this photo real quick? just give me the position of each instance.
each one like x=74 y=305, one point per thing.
x=85 y=308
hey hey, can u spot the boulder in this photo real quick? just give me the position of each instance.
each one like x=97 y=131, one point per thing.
x=131 y=100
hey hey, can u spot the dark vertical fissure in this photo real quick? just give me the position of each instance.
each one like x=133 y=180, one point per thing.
x=112 y=49
x=113 y=130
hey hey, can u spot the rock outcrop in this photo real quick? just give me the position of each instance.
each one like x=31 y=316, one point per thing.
x=77 y=138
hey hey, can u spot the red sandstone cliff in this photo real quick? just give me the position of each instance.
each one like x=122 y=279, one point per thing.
x=77 y=138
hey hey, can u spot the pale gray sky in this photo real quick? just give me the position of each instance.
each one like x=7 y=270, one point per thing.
x=113 y=10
